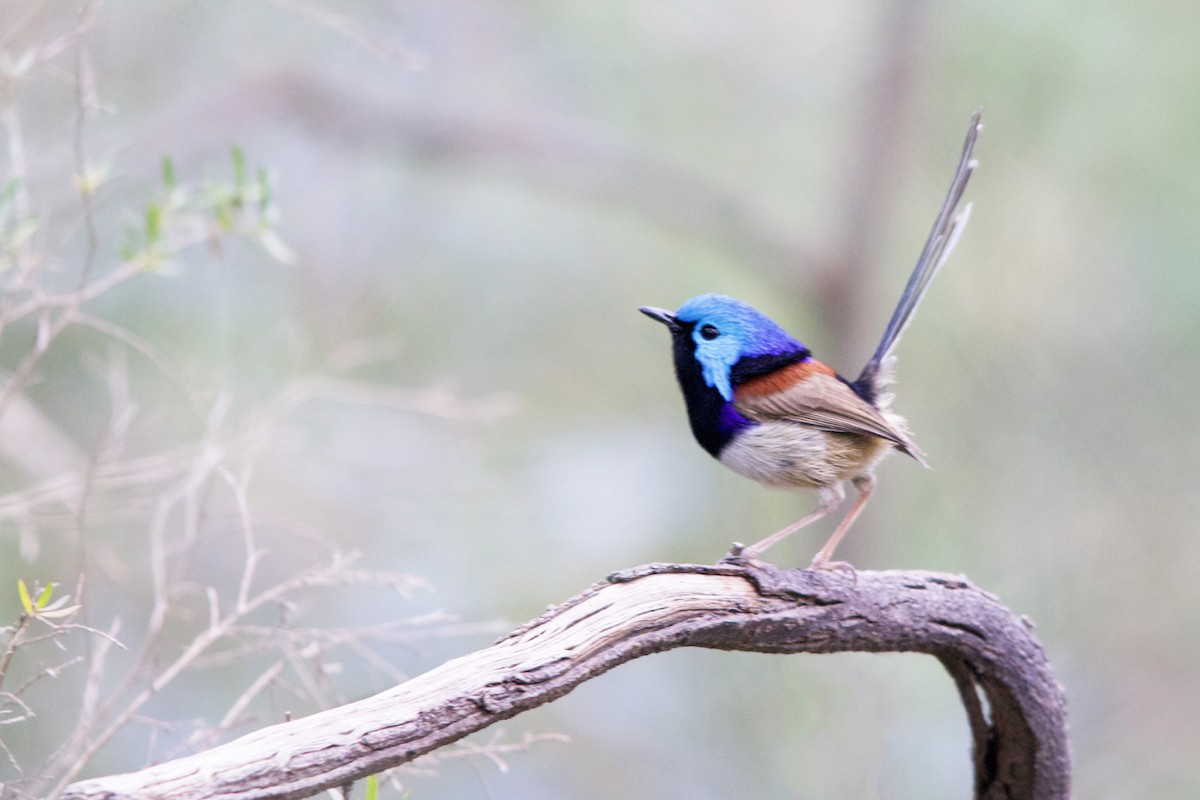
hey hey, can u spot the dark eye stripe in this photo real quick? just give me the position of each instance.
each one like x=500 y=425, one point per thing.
x=709 y=332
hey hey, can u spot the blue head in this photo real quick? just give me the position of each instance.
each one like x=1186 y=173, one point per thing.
x=720 y=342
x=720 y=332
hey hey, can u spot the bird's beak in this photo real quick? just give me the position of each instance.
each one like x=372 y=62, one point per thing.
x=662 y=315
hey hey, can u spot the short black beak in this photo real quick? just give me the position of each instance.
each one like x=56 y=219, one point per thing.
x=661 y=315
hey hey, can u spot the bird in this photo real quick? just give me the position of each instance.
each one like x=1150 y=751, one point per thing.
x=761 y=404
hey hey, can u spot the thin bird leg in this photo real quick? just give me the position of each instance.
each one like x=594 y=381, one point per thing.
x=865 y=485
x=830 y=499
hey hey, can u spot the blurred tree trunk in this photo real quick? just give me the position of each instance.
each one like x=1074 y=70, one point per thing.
x=848 y=272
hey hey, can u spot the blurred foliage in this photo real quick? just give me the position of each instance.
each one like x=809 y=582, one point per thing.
x=477 y=196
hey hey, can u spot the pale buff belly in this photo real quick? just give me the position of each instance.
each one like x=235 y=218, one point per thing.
x=792 y=456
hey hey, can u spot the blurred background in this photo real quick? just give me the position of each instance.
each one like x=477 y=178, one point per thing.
x=426 y=350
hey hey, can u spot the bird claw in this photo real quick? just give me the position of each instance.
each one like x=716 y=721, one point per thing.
x=740 y=556
x=841 y=566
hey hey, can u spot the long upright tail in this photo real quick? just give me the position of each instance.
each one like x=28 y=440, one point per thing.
x=942 y=237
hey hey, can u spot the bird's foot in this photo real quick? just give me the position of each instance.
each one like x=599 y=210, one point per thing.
x=842 y=566
x=741 y=556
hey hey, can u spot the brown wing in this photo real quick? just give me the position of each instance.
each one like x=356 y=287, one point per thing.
x=819 y=400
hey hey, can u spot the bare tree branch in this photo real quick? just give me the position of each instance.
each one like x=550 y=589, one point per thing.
x=1015 y=707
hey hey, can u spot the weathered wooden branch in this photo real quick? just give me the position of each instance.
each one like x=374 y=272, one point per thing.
x=1015 y=707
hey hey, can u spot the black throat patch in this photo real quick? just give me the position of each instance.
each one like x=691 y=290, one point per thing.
x=704 y=403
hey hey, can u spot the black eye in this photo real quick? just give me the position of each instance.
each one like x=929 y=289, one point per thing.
x=709 y=332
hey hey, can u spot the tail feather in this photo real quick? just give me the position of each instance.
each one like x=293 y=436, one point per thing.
x=942 y=238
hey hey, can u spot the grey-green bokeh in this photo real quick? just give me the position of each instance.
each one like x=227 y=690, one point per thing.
x=495 y=187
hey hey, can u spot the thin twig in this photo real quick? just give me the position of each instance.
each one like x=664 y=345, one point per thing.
x=85 y=101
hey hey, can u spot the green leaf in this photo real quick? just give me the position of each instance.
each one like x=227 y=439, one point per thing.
x=60 y=613
x=8 y=192
x=226 y=215
x=92 y=178
x=22 y=232
x=168 y=172
x=23 y=591
x=45 y=596
x=264 y=193
x=372 y=788
x=153 y=223
x=58 y=603
x=129 y=248
x=239 y=166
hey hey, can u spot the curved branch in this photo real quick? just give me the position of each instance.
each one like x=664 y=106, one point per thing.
x=1020 y=738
